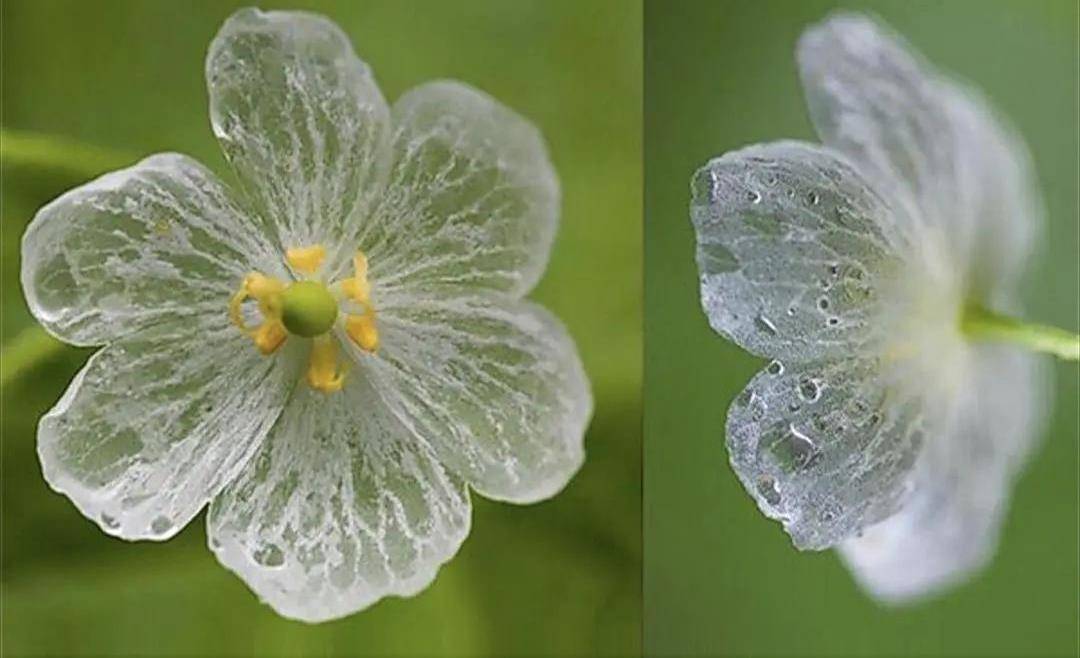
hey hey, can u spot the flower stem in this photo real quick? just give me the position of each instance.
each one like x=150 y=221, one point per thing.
x=981 y=324
x=51 y=152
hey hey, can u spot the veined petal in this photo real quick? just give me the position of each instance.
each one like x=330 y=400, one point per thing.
x=160 y=240
x=960 y=487
x=473 y=200
x=157 y=423
x=496 y=386
x=302 y=121
x=343 y=506
x=924 y=138
x=825 y=447
x=795 y=250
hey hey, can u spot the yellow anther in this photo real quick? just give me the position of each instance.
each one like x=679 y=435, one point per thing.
x=265 y=290
x=306 y=259
x=362 y=330
x=323 y=373
x=268 y=336
x=357 y=287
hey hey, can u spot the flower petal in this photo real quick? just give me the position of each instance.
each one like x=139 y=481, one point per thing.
x=960 y=488
x=473 y=200
x=923 y=137
x=343 y=506
x=824 y=447
x=160 y=240
x=794 y=249
x=302 y=121
x=157 y=423
x=495 y=385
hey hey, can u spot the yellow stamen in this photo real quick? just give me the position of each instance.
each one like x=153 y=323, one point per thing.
x=265 y=290
x=306 y=259
x=361 y=328
x=357 y=288
x=323 y=373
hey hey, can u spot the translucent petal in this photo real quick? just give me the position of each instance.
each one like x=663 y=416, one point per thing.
x=824 y=447
x=302 y=121
x=343 y=506
x=495 y=385
x=157 y=423
x=795 y=251
x=160 y=240
x=960 y=488
x=922 y=137
x=473 y=200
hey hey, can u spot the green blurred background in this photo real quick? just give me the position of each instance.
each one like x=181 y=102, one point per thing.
x=109 y=81
x=719 y=577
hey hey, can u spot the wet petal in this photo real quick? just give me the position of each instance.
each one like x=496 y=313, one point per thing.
x=923 y=137
x=824 y=447
x=157 y=423
x=160 y=240
x=472 y=201
x=495 y=385
x=794 y=249
x=961 y=486
x=302 y=121
x=343 y=506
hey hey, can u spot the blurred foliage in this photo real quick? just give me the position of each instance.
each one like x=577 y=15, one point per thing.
x=720 y=578
x=89 y=86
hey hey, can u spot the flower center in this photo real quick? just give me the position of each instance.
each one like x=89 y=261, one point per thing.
x=309 y=308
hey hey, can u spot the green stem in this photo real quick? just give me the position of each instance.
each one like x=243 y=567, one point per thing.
x=29 y=149
x=982 y=324
x=27 y=349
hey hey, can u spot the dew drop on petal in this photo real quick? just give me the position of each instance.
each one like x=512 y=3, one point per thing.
x=767 y=487
x=775 y=368
x=110 y=522
x=809 y=390
x=765 y=324
x=161 y=525
x=269 y=555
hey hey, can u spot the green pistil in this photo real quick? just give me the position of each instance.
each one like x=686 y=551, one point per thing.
x=981 y=324
x=308 y=309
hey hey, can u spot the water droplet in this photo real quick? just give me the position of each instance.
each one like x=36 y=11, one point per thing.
x=269 y=555
x=833 y=321
x=110 y=522
x=772 y=180
x=809 y=389
x=765 y=324
x=812 y=198
x=753 y=196
x=790 y=192
x=792 y=450
x=823 y=303
x=767 y=487
x=791 y=310
x=161 y=525
x=794 y=406
x=775 y=368
x=834 y=269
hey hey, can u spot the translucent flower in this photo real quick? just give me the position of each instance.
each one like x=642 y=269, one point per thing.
x=874 y=271
x=330 y=355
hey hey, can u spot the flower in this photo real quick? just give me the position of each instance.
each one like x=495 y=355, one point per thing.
x=332 y=354
x=884 y=426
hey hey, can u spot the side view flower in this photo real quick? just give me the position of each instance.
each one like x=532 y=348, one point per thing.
x=330 y=354
x=880 y=273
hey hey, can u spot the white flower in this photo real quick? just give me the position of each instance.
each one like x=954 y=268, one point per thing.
x=330 y=356
x=864 y=267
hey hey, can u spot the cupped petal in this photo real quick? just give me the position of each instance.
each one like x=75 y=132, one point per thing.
x=161 y=240
x=795 y=250
x=302 y=122
x=156 y=424
x=922 y=137
x=495 y=385
x=825 y=447
x=473 y=200
x=960 y=488
x=343 y=506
